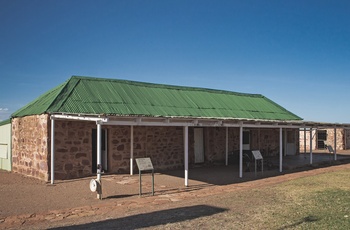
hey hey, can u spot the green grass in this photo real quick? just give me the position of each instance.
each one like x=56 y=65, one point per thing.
x=317 y=202
x=313 y=202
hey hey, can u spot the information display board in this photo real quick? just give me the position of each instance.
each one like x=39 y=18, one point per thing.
x=144 y=164
x=257 y=155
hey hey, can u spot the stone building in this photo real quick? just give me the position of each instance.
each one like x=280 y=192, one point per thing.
x=338 y=138
x=67 y=131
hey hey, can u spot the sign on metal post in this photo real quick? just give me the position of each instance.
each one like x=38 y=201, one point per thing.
x=145 y=164
x=257 y=156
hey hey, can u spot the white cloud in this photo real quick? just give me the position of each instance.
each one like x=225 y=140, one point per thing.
x=4 y=114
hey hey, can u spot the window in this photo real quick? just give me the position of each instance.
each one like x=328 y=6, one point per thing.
x=321 y=139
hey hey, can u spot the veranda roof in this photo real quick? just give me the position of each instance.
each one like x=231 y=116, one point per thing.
x=98 y=96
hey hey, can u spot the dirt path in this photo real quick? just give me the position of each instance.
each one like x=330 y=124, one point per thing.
x=29 y=203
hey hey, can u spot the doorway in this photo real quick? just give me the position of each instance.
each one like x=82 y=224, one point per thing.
x=290 y=138
x=104 y=154
x=246 y=140
x=198 y=145
x=321 y=139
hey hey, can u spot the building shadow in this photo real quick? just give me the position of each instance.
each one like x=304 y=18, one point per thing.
x=225 y=175
x=152 y=219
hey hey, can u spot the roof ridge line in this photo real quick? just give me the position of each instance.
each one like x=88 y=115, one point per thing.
x=281 y=107
x=167 y=86
x=61 y=93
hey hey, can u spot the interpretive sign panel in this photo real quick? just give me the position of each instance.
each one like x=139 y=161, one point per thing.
x=330 y=149
x=144 y=164
x=257 y=155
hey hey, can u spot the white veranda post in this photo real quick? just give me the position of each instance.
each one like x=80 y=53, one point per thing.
x=131 y=150
x=241 y=151
x=98 y=151
x=52 y=150
x=335 y=144
x=186 y=154
x=99 y=166
x=281 y=149
x=310 y=146
x=226 y=157
x=305 y=142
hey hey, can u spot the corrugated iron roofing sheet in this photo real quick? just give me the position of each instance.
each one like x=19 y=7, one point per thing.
x=5 y=122
x=85 y=95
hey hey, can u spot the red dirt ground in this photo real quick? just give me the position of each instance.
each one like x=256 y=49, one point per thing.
x=29 y=203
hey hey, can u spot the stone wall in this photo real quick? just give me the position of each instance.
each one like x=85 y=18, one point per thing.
x=164 y=145
x=268 y=140
x=30 y=146
x=265 y=140
x=307 y=137
x=347 y=138
x=73 y=147
x=215 y=144
x=341 y=139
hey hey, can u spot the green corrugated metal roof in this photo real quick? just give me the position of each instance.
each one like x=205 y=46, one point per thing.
x=5 y=122
x=86 y=95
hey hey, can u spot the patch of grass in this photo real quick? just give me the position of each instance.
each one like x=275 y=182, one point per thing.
x=312 y=202
x=318 y=202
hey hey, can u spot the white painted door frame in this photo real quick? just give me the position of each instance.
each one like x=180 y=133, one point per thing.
x=198 y=145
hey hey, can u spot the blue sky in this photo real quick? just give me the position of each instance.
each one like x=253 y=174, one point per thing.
x=297 y=53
